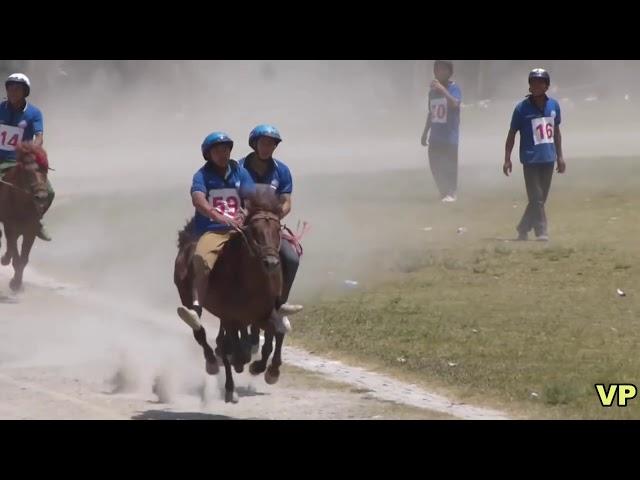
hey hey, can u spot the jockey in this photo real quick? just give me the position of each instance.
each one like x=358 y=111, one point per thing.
x=20 y=122
x=264 y=169
x=217 y=191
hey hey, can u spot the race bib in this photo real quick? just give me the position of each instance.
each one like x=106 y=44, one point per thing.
x=543 y=129
x=225 y=200
x=439 y=110
x=9 y=137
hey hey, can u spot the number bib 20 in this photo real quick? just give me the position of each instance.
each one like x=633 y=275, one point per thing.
x=543 y=129
x=439 y=110
x=9 y=137
x=225 y=200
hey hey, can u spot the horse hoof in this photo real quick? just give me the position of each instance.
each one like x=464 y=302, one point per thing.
x=238 y=367
x=230 y=397
x=212 y=368
x=6 y=260
x=271 y=377
x=255 y=368
x=15 y=285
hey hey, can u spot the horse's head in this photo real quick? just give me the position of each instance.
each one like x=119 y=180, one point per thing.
x=262 y=227
x=32 y=165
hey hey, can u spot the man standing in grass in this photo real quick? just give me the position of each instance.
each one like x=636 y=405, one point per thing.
x=537 y=118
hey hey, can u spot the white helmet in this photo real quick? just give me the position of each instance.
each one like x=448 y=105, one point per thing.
x=19 y=78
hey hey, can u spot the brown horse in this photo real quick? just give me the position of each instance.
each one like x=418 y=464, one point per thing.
x=244 y=288
x=23 y=201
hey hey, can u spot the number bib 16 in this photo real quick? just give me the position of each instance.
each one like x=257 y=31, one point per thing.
x=439 y=110
x=225 y=200
x=542 y=130
x=9 y=137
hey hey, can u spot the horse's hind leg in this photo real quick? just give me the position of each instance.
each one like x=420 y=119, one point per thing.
x=12 y=245
x=244 y=346
x=20 y=262
x=260 y=366
x=255 y=339
x=211 y=363
x=219 y=341
x=272 y=374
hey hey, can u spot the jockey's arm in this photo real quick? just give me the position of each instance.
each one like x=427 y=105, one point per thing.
x=199 y=201
x=285 y=204
x=38 y=139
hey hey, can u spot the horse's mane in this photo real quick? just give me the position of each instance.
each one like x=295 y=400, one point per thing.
x=39 y=153
x=264 y=199
x=187 y=234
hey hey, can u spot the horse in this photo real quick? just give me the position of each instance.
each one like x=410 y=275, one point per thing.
x=244 y=288
x=23 y=202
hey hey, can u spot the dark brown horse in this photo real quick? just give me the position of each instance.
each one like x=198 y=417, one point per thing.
x=244 y=288
x=23 y=201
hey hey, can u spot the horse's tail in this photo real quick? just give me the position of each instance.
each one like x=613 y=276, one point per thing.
x=187 y=235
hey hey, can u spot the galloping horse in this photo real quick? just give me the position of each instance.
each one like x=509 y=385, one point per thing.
x=23 y=201
x=244 y=287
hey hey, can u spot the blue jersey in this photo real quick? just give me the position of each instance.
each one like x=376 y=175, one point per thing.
x=16 y=127
x=223 y=193
x=445 y=120
x=537 y=130
x=278 y=175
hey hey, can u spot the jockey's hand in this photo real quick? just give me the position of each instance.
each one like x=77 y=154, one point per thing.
x=241 y=215
x=233 y=222
x=225 y=220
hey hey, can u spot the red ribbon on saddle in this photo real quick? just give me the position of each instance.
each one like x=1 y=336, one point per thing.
x=294 y=238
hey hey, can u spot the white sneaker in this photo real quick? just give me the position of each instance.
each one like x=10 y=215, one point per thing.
x=289 y=309
x=190 y=317
x=448 y=199
x=280 y=322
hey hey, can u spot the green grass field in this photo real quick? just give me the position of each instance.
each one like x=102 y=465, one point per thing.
x=525 y=327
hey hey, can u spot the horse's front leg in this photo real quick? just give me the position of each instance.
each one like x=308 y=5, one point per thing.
x=211 y=363
x=12 y=244
x=272 y=374
x=21 y=259
x=260 y=366
x=229 y=343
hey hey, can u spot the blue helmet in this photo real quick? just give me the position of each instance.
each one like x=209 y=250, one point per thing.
x=263 y=131
x=213 y=139
x=539 y=73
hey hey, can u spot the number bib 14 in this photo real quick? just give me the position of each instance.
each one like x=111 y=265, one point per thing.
x=9 y=137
